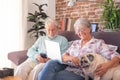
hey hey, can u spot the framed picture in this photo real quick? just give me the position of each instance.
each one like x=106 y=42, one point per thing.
x=94 y=27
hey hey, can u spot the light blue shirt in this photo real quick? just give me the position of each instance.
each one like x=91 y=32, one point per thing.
x=39 y=46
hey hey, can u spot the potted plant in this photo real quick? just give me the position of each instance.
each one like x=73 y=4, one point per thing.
x=38 y=19
x=111 y=15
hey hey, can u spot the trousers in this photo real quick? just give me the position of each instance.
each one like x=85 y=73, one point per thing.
x=29 y=70
x=54 y=70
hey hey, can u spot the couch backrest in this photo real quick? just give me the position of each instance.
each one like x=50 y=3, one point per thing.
x=70 y=35
x=109 y=37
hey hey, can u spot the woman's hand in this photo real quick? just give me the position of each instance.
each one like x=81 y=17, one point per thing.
x=66 y=58
x=76 y=61
x=101 y=69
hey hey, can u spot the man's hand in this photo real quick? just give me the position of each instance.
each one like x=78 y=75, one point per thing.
x=40 y=59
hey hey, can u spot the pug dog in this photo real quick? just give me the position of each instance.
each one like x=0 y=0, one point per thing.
x=89 y=63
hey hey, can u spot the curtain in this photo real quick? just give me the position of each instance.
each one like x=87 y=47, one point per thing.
x=11 y=29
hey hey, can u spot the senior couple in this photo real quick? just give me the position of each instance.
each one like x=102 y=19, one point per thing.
x=38 y=68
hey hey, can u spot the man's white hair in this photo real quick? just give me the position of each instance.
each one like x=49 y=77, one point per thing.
x=49 y=21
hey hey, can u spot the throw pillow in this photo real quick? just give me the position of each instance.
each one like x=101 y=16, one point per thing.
x=70 y=43
x=112 y=47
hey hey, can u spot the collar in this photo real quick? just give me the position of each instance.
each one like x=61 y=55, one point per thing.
x=52 y=38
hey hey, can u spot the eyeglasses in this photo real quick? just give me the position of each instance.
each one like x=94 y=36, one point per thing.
x=80 y=30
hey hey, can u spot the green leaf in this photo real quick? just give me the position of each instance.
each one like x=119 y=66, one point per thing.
x=111 y=14
x=37 y=18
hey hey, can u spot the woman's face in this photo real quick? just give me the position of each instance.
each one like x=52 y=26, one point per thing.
x=83 y=32
x=51 y=30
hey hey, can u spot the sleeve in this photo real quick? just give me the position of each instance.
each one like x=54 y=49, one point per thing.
x=64 y=45
x=33 y=51
x=68 y=51
x=105 y=51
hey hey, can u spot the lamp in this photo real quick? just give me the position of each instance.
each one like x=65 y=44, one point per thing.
x=71 y=3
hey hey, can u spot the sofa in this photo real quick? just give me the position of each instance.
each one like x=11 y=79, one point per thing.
x=17 y=57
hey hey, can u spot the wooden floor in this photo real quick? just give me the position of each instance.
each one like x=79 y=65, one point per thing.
x=11 y=78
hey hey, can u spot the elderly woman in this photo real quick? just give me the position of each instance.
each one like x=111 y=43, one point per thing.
x=32 y=66
x=86 y=44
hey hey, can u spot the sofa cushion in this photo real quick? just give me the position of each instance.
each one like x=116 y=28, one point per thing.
x=17 y=57
x=70 y=43
x=70 y=35
x=112 y=47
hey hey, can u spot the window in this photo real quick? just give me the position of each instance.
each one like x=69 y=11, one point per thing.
x=10 y=29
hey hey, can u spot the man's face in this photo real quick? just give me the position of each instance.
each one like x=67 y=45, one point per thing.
x=51 y=30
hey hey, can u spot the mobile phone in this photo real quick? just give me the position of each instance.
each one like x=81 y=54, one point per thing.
x=43 y=55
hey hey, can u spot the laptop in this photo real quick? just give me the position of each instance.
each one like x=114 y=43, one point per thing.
x=53 y=50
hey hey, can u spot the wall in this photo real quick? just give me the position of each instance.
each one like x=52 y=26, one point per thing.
x=29 y=41
x=50 y=11
x=58 y=9
x=24 y=22
x=85 y=9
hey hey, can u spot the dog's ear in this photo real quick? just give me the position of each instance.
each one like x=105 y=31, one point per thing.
x=90 y=57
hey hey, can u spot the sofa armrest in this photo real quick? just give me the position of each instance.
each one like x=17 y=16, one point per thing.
x=17 y=57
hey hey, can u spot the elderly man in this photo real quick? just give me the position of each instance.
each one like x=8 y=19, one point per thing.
x=29 y=69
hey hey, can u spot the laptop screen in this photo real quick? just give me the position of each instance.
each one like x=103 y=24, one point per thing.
x=53 y=50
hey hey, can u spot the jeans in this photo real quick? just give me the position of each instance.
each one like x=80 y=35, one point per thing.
x=54 y=70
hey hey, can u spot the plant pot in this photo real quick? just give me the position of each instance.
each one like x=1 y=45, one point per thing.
x=111 y=30
x=107 y=30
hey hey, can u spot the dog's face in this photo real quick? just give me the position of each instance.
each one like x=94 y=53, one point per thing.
x=86 y=60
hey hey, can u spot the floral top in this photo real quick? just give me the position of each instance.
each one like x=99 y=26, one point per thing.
x=93 y=46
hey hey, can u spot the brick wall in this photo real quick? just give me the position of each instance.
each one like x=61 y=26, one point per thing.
x=85 y=9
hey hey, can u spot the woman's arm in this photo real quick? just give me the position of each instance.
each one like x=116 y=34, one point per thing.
x=108 y=53
x=102 y=68
x=115 y=61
